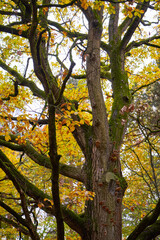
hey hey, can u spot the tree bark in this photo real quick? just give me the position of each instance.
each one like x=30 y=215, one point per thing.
x=103 y=166
x=105 y=209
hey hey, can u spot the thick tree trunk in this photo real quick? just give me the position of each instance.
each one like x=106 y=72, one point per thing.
x=107 y=204
x=104 y=177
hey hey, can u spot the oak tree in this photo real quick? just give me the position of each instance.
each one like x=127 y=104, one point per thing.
x=82 y=72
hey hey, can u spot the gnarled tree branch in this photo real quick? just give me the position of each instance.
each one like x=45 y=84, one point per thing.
x=38 y=195
x=42 y=160
x=23 y=81
x=145 y=222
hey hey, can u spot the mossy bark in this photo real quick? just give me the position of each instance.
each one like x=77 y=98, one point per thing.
x=54 y=158
x=103 y=214
x=121 y=95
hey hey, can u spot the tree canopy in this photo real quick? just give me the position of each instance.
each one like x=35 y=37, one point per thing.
x=79 y=119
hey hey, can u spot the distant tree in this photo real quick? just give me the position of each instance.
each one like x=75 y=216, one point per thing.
x=140 y=154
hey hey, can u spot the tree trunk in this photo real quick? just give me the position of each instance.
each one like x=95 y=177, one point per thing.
x=104 y=213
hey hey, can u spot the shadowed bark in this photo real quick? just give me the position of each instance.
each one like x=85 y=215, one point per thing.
x=101 y=141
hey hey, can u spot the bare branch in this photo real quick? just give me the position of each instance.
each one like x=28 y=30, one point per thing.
x=153 y=171
x=10 y=13
x=146 y=41
x=23 y=81
x=14 y=31
x=57 y=5
x=14 y=214
x=64 y=83
x=144 y=86
x=31 y=226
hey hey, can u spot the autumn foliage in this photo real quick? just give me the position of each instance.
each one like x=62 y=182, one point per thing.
x=79 y=120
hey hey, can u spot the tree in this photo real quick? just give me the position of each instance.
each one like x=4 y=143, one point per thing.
x=105 y=35
x=141 y=158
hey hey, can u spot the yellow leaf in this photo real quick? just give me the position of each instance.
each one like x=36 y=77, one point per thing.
x=7 y=137
x=46 y=199
x=69 y=107
x=82 y=121
x=72 y=128
x=130 y=15
x=40 y=205
x=87 y=122
x=64 y=33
